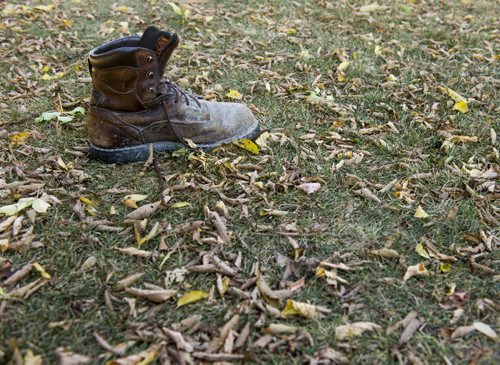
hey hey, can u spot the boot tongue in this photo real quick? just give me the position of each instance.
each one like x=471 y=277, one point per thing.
x=154 y=39
x=161 y=42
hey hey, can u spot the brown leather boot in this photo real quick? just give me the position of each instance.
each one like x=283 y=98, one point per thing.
x=132 y=106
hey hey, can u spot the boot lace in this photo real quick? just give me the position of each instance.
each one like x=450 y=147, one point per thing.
x=171 y=88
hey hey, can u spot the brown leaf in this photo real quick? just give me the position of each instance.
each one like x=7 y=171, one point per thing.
x=18 y=275
x=71 y=358
x=144 y=211
x=128 y=280
x=309 y=188
x=153 y=295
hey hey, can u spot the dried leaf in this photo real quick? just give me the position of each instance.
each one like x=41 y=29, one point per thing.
x=386 y=252
x=297 y=308
x=132 y=251
x=153 y=295
x=420 y=213
x=128 y=280
x=354 y=329
x=485 y=330
x=415 y=270
x=309 y=188
x=144 y=211
x=278 y=328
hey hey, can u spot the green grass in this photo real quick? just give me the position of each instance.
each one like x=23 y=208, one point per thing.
x=425 y=45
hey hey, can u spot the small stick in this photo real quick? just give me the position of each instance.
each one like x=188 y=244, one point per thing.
x=158 y=172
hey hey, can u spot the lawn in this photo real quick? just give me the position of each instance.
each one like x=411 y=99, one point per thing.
x=365 y=229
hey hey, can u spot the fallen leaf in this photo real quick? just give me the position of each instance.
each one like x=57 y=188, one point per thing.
x=18 y=139
x=371 y=8
x=354 y=329
x=153 y=295
x=461 y=106
x=247 y=145
x=71 y=358
x=234 y=94
x=180 y=205
x=297 y=308
x=385 y=252
x=132 y=251
x=32 y=359
x=128 y=280
x=343 y=66
x=309 y=188
x=419 y=248
x=415 y=270
x=192 y=297
x=44 y=274
x=278 y=328
x=420 y=213
x=145 y=357
x=485 y=330
x=445 y=267
x=462 y=331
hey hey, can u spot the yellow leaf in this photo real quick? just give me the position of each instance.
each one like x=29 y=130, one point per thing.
x=461 y=106
x=181 y=205
x=46 y=77
x=67 y=23
x=421 y=251
x=192 y=297
x=454 y=95
x=19 y=138
x=445 y=267
x=130 y=200
x=150 y=235
x=378 y=50
x=343 y=66
x=247 y=145
x=234 y=94
x=420 y=213
x=44 y=7
x=293 y=308
x=32 y=359
x=86 y=201
x=136 y=197
x=44 y=274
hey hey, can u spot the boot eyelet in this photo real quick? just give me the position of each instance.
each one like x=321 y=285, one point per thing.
x=149 y=59
x=151 y=89
x=151 y=74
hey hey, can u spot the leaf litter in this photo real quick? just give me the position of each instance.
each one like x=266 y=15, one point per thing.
x=278 y=245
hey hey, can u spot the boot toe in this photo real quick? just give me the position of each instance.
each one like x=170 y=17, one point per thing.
x=231 y=121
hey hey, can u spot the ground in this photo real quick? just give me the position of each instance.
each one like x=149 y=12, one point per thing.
x=365 y=230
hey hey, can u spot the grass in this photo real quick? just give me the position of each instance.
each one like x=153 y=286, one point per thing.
x=424 y=45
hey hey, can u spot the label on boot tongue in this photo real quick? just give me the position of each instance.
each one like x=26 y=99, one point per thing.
x=162 y=42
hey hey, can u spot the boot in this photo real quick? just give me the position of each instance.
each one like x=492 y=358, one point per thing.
x=132 y=106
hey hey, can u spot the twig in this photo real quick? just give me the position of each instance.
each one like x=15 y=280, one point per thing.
x=158 y=172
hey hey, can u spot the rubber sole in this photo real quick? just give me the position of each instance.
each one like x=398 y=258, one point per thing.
x=141 y=152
